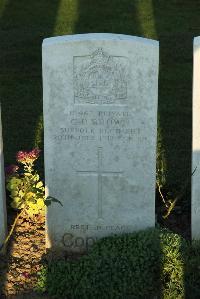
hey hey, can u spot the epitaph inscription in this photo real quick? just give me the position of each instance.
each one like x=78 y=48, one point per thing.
x=100 y=78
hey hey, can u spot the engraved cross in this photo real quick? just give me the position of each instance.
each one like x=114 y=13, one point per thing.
x=100 y=172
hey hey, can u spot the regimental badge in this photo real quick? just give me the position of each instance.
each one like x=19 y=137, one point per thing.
x=100 y=78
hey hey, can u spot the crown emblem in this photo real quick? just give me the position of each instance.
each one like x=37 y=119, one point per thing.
x=99 y=57
x=100 y=78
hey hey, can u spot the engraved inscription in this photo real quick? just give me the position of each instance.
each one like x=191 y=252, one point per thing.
x=100 y=173
x=100 y=78
x=100 y=126
x=86 y=227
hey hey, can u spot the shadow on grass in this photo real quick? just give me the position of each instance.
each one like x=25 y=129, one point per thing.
x=24 y=24
x=108 y=16
x=116 y=267
x=176 y=24
x=149 y=264
x=23 y=27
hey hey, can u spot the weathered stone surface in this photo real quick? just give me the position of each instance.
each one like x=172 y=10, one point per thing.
x=196 y=143
x=3 y=214
x=100 y=124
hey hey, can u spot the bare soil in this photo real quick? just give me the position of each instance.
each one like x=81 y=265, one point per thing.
x=20 y=265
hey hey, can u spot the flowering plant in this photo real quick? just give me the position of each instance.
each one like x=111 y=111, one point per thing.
x=26 y=188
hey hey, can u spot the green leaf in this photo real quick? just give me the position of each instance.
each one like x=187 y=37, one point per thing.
x=47 y=202
x=39 y=184
x=27 y=174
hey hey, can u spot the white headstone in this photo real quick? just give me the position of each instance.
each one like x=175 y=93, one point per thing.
x=196 y=143
x=3 y=214
x=100 y=124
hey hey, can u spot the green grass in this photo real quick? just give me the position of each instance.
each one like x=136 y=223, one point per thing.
x=154 y=263
x=24 y=24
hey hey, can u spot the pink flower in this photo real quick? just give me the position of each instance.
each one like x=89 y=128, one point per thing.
x=26 y=274
x=27 y=157
x=34 y=154
x=11 y=169
x=21 y=156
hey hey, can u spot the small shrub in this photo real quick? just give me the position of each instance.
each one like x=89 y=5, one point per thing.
x=24 y=184
x=146 y=264
x=26 y=189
